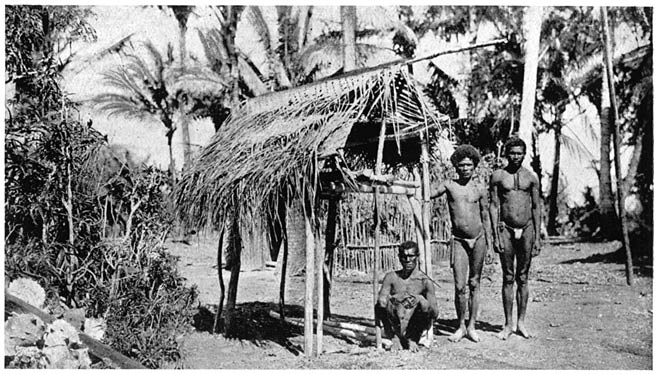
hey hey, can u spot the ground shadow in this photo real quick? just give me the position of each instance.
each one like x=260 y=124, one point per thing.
x=448 y=326
x=642 y=264
x=254 y=324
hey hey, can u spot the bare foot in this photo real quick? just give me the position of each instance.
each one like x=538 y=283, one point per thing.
x=505 y=333
x=458 y=335
x=395 y=347
x=521 y=330
x=473 y=335
x=413 y=347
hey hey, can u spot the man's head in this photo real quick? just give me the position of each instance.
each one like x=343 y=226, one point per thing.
x=408 y=254
x=515 y=150
x=465 y=159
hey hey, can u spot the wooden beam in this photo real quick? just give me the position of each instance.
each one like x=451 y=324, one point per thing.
x=96 y=348
x=425 y=190
x=320 y=285
x=330 y=241
x=220 y=278
x=309 y=281
x=340 y=329
x=335 y=188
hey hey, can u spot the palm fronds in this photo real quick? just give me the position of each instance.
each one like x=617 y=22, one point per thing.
x=273 y=142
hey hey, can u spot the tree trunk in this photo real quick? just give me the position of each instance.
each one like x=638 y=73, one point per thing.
x=349 y=26
x=532 y=22
x=609 y=218
x=555 y=177
x=616 y=146
x=172 y=166
x=235 y=249
x=182 y=13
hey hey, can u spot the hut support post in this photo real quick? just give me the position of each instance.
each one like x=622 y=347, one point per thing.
x=309 y=281
x=425 y=190
x=417 y=211
x=236 y=248
x=376 y=262
x=220 y=277
x=330 y=239
x=320 y=284
x=282 y=283
x=376 y=239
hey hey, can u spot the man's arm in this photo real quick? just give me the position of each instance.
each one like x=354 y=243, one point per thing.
x=385 y=291
x=439 y=191
x=484 y=204
x=429 y=294
x=535 y=210
x=494 y=211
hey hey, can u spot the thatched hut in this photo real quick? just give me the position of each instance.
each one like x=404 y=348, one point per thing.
x=321 y=140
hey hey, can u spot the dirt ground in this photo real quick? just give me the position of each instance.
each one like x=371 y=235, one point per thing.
x=581 y=313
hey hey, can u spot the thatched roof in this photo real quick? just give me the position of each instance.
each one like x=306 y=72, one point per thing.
x=272 y=143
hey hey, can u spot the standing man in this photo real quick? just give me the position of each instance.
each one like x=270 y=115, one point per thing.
x=515 y=215
x=470 y=237
x=406 y=302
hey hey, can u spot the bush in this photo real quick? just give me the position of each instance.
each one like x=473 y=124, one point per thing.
x=147 y=309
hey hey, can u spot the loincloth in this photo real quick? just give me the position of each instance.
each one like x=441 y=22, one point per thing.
x=469 y=242
x=516 y=231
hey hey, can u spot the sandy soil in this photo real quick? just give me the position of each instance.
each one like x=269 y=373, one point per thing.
x=582 y=315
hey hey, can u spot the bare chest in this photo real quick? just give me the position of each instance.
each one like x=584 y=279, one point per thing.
x=519 y=181
x=412 y=285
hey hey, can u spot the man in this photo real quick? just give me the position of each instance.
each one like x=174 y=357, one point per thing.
x=470 y=237
x=515 y=214
x=406 y=303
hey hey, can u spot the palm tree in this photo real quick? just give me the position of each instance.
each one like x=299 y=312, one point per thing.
x=182 y=13
x=152 y=88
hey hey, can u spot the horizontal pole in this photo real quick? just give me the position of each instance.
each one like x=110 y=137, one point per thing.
x=336 y=331
x=337 y=188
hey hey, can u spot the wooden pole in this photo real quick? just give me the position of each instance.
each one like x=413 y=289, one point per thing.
x=425 y=190
x=616 y=145
x=417 y=212
x=320 y=284
x=376 y=248
x=235 y=246
x=309 y=282
x=330 y=239
x=220 y=304
x=282 y=283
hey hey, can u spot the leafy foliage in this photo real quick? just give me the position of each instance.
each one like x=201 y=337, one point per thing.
x=65 y=187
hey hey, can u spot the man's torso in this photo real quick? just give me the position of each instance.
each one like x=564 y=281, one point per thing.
x=464 y=208
x=514 y=193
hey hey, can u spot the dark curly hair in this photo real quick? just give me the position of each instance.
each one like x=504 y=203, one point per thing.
x=514 y=142
x=465 y=151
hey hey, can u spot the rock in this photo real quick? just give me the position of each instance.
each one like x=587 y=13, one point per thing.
x=95 y=327
x=23 y=330
x=76 y=317
x=28 y=290
x=61 y=333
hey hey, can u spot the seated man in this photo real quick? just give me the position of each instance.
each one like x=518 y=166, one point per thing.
x=406 y=303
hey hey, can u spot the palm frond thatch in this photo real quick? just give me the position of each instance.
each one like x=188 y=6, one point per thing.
x=273 y=142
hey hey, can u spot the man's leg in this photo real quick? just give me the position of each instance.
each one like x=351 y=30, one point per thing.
x=507 y=258
x=385 y=318
x=523 y=254
x=419 y=322
x=460 y=271
x=476 y=258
